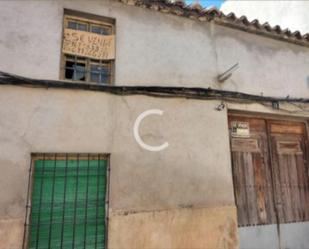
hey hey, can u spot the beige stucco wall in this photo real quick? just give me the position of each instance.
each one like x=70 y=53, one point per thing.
x=187 y=188
x=154 y=48
x=193 y=172
x=202 y=228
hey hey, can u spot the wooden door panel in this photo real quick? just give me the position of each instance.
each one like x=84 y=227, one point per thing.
x=287 y=128
x=239 y=189
x=251 y=172
x=302 y=176
x=289 y=153
x=270 y=170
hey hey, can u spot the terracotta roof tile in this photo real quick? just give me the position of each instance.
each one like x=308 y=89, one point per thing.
x=197 y=12
x=306 y=37
x=195 y=6
x=277 y=29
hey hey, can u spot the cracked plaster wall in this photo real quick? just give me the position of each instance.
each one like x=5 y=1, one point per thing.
x=155 y=48
x=194 y=172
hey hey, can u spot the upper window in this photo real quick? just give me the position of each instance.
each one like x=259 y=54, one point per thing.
x=85 y=55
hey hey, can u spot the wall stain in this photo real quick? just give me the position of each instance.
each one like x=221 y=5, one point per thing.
x=228 y=238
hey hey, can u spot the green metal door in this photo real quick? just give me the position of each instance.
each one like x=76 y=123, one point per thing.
x=68 y=204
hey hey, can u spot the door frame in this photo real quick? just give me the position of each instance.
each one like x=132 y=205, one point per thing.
x=268 y=117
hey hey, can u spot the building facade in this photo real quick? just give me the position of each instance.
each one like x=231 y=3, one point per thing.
x=102 y=85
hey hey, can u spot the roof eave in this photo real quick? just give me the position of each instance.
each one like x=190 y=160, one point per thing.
x=198 y=13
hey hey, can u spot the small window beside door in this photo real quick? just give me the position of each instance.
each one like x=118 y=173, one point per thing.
x=90 y=67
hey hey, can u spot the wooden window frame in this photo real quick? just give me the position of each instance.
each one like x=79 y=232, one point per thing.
x=91 y=20
x=63 y=156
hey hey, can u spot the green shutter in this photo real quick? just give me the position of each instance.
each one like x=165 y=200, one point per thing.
x=68 y=204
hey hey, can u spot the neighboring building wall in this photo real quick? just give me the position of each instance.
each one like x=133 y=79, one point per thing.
x=155 y=48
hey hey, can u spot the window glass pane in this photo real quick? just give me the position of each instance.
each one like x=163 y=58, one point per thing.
x=69 y=70
x=82 y=26
x=72 y=25
x=94 y=77
x=75 y=71
x=100 y=30
x=77 y=26
x=99 y=74
x=79 y=72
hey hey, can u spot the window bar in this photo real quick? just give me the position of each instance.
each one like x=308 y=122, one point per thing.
x=75 y=204
x=100 y=63
x=40 y=205
x=87 y=62
x=75 y=68
x=52 y=203
x=28 y=205
x=64 y=197
x=86 y=203
x=75 y=60
x=100 y=71
x=87 y=70
x=97 y=204
x=107 y=195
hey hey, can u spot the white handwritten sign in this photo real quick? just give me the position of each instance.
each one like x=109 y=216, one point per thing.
x=240 y=129
x=86 y=44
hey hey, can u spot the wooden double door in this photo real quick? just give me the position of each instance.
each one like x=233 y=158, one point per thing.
x=270 y=170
